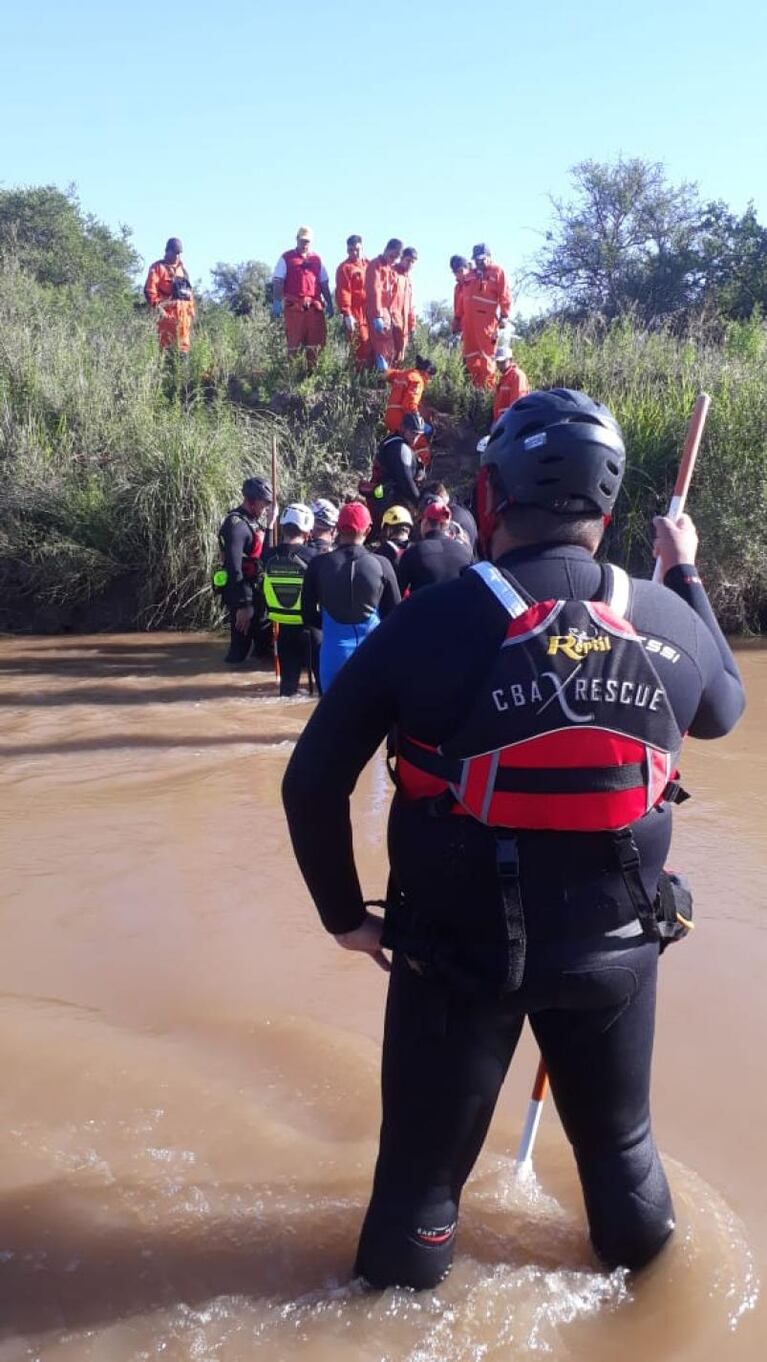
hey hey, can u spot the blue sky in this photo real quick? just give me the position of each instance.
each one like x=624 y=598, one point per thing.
x=229 y=124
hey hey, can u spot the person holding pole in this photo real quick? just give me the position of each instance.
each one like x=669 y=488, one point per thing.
x=536 y=772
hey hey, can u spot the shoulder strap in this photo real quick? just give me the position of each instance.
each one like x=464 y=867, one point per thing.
x=507 y=592
x=615 y=590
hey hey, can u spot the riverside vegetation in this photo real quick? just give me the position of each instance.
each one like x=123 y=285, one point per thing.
x=117 y=466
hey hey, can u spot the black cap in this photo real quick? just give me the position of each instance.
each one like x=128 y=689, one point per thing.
x=560 y=450
x=174 y=244
x=393 y=244
x=459 y=262
x=410 y=252
x=479 y=250
x=425 y=365
x=257 y=489
x=354 y=241
x=413 y=421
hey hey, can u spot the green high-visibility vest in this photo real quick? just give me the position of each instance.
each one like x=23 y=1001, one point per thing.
x=283 y=583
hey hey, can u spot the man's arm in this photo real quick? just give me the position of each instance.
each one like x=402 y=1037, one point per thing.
x=340 y=738
x=236 y=535
x=405 y=475
x=390 y=595
x=311 y=615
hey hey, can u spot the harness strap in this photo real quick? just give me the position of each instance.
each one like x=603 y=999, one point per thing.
x=507 y=865
x=567 y=780
x=627 y=854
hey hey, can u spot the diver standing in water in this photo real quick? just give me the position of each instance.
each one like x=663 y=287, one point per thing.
x=539 y=702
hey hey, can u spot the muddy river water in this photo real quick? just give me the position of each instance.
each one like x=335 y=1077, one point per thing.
x=189 y=1064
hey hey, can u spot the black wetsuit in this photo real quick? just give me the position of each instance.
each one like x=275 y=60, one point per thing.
x=589 y=982
x=399 y=466
x=346 y=594
x=237 y=536
x=435 y=558
x=468 y=524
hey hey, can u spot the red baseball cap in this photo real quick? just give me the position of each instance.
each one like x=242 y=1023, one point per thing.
x=354 y=518
x=436 y=510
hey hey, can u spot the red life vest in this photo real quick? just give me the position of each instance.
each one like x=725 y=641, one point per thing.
x=571 y=731
x=302 y=280
x=250 y=559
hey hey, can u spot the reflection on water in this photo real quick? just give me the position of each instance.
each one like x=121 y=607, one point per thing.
x=190 y=1101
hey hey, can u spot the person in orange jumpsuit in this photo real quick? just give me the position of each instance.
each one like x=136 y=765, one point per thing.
x=350 y=301
x=512 y=381
x=403 y=311
x=482 y=304
x=299 y=289
x=169 y=291
x=407 y=389
x=462 y=273
x=380 y=290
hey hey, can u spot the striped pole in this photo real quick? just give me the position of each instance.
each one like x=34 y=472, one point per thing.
x=687 y=464
x=533 y=1118
x=275 y=627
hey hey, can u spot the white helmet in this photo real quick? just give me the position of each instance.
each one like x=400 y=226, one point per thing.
x=325 y=512
x=299 y=515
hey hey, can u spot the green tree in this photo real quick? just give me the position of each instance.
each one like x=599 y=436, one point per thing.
x=54 y=240
x=732 y=262
x=625 y=241
x=242 y=287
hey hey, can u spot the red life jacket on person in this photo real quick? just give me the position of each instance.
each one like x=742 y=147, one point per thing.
x=571 y=730
x=302 y=280
x=250 y=566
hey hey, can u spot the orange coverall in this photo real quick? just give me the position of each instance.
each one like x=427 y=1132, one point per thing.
x=350 y=301
x=481 y=297
x=511 y=385
x=407 y=388
x=402 y=313
x=175 y=327
x=380 y=290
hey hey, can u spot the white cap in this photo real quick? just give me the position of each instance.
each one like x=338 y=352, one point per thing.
x=325 y=512
x=305 y=234
x=298 y=514
x=502 y=353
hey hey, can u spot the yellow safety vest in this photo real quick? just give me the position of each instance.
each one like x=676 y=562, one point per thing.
x=283 y=584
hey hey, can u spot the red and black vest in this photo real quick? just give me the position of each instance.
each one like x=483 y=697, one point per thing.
x=571 y=730
x=302 y=280
x=250 y=564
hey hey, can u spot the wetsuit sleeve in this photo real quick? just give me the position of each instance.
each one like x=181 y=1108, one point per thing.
x=404 y=579
x=236 y=537
x=390 y=596
x=310 y=604
x=723 y=699
x=340 y=738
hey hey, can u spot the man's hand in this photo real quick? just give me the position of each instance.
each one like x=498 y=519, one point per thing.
x=367 y=938
x=676 y=541
x=243 y=618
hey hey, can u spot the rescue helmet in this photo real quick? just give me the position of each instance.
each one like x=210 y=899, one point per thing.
x=413 y=423
x=325 y=513
x=299 y=515
x=257 y=489
x=397 y=515
x=560 y=450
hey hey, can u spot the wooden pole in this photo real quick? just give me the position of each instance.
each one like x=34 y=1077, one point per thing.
x=687 y=465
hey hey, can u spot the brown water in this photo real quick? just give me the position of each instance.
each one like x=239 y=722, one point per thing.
x=189 y=1095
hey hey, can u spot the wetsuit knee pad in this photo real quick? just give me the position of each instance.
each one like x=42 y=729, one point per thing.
x=414 y=1250
x=629 y=1206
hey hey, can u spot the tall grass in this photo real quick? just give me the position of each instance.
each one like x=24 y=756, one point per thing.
x=116 y=466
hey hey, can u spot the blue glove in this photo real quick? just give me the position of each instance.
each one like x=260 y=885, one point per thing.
x=378 y=326
x=381 y=364
x=277 y=307
x=328 y=310
x=428 y=429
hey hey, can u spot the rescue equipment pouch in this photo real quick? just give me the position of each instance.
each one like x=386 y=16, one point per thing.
x=283 y=584
x=673 y=908
x=219 y=580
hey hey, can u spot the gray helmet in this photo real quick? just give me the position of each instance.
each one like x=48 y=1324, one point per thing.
x=560 y=450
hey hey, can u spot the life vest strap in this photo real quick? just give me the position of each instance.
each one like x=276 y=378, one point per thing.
x=568 y=780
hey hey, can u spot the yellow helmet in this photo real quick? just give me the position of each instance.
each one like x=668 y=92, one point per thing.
x=397 y=515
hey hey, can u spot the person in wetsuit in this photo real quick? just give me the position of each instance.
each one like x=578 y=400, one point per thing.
x=489 y=925
x=284 y=570
x=436 y=556
x=396 y=529
x=399 y=468
x=244 y=534
x=347 y=592
x=460 y=514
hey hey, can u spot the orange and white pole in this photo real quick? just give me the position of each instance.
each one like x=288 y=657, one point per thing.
x=275 y=627
x=687 y=464
x=533 y=1118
